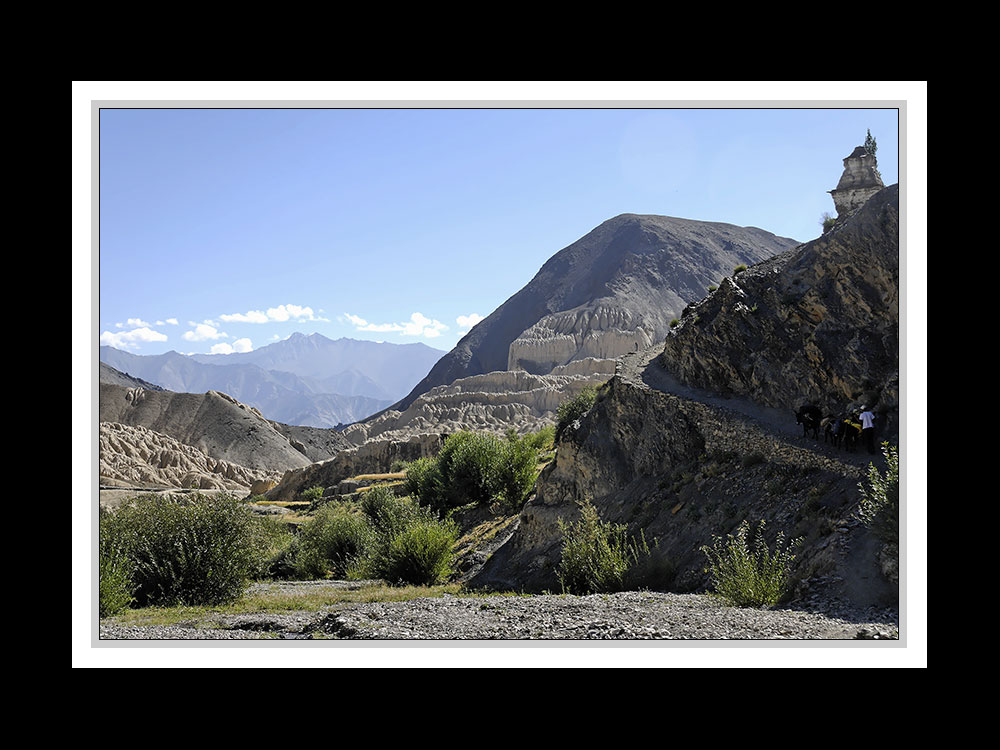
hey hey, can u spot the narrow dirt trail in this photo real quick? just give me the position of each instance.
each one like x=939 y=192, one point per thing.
x=643 y=369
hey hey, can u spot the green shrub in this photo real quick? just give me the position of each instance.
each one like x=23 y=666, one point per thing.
x=542 y=440
x=388 y=514
x=332 y=541
x=196 y=550
x=879 y=507
x=423 y=480
x=421 y=554
x=115 y=574
x=468 y=463
x=282 y=550
x=516 y=468
x=674 y=322
x=750 y=576
x=311 y=495
x=383 y=536
x=284 y=562
x=476 y=467
x=598 y=557
x=741 y=267
x=574 y=408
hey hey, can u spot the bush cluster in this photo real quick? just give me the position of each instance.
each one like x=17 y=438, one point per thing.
x=879 y=506
x=199 y=550
x=599 y=557
x=476 y=467
x=574 y=408
x=750 y=575
x=382 y=536
x=115 y=574
x=331 y=542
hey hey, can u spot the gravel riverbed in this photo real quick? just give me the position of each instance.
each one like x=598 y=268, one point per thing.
x=621 y=616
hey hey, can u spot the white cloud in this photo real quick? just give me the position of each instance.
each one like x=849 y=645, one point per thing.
x=421 y=325
x=280 y=314
x=465 y=322
x=131 y=339
x=240 y=345
x=418 y=325
x=172 y=321
x=252 y=316
x=204 y=332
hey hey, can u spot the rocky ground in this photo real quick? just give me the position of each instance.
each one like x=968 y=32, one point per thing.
x=627 y=616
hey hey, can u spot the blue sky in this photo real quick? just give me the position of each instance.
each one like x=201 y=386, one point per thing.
x=227 y=229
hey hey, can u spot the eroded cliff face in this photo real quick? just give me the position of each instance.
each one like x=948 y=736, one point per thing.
x=592 y=331
x=134 y=456
x=493 y=402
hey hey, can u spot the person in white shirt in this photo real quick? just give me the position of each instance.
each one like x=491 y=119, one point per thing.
x=868 y=429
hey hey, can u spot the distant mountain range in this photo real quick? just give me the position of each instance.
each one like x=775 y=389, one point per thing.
x=307 y=380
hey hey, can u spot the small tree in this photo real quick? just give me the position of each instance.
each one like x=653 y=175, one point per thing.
x=870 y=146
x=827 y=221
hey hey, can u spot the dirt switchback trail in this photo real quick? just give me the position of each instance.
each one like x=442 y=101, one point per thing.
x=643 y=369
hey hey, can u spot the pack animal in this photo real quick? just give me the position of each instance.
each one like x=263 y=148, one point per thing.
x=852 y=433
x=833 y=431
x=809 y=416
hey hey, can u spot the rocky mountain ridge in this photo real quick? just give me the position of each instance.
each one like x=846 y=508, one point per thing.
x=819 y=325
x=612 y=291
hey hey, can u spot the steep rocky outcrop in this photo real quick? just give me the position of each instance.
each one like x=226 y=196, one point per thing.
x=819 y=324
x=613 y=291
x=690 y=438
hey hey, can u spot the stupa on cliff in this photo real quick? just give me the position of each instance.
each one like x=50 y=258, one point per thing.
x=859 y=182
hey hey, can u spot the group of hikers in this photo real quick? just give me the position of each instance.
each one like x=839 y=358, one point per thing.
x=845 y=429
